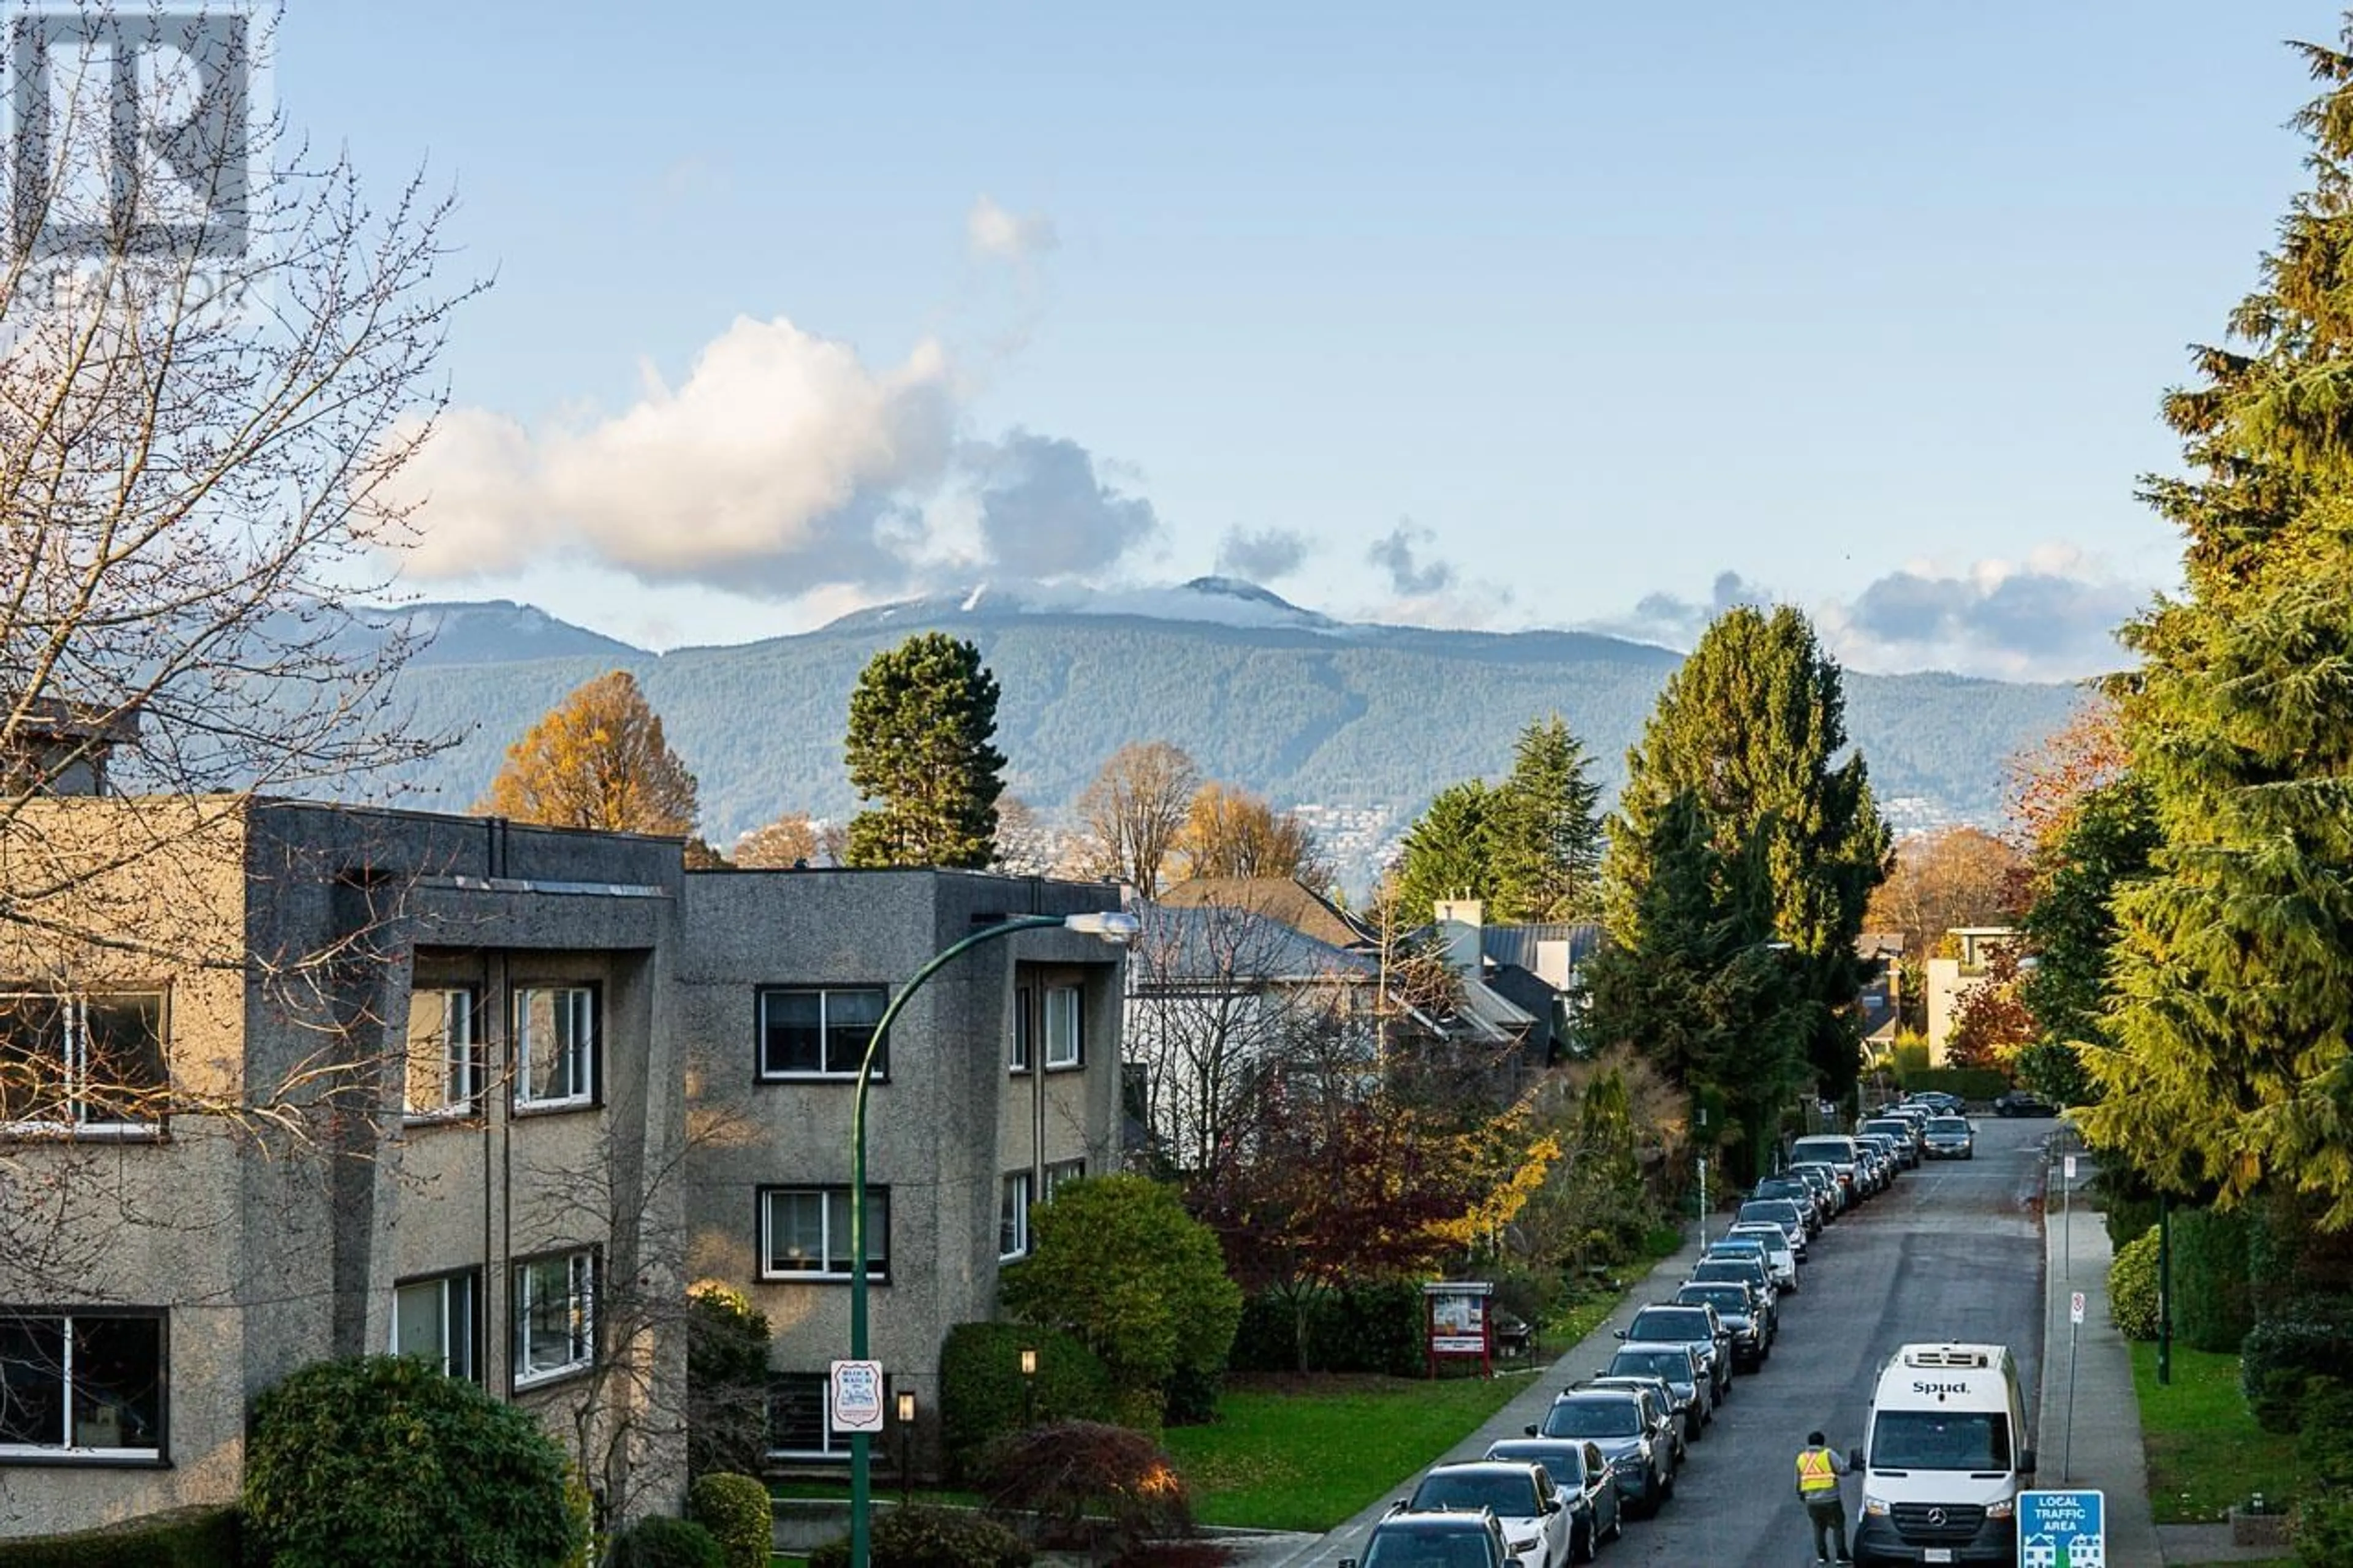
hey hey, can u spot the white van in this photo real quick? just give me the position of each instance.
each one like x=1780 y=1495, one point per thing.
x=1944 y=1458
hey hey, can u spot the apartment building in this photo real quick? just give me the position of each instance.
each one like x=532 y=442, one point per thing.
x=298 y=1081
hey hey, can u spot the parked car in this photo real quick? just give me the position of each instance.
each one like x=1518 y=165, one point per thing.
x=1787 y=1212
x=1741 y=1317
x=2023 y=1102
x=1660 y=1400
x=1950 y=1137
x=1629 y=1428
x=1585 y=1476
x=1677 y=1362
x=1696 y=1327
x=1901 y=1129
x=1888 y=1149
x=1780 y=1255
x=1454 y=1538
x=1518 y=1492
x=1797 y=1190
x=1748 y=1270
x=1838 y=1199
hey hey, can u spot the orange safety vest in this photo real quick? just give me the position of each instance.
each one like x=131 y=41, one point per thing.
x=1816 y=1473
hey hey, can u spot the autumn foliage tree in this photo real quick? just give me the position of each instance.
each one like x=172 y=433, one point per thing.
x=597 y=759
x=790 y=840
x=1231 y=832
x=1134 y=812
x=1991 y=1023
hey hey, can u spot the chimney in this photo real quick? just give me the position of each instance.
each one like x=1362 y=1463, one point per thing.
x=56 y=747
x=1459 y=920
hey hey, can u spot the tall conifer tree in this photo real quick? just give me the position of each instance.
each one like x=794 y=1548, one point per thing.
x=2234 y=958
x=921 y=720
x=1749 y=733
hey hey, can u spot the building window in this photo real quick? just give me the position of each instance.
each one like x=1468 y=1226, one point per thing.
x=1062 y=1044
x=1061 y=1172
x=797 y=1424
x=1019 y=1061
x=805 y=1032
x=805 y=1233
x=437 y=1319
x=1013 y=1217
x=555 y=1046
x=81 y=1062
x=444 y=1071
x=554 y=1316
x=87 y=1385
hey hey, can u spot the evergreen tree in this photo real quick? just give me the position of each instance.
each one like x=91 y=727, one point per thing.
x=1448 y=852
x=1747 y=733
x=597 y=759
x=2102 y=842
x=1544 y=833
x=2231 y=966
x=1693 y=982
x=921 y=719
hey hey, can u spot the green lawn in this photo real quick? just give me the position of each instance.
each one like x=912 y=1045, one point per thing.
x=1304 y=1454
x=2205 y=1451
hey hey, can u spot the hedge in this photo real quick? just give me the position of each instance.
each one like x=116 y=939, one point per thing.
x=661 y=1542
x=1970 y=1083
x=2132 y=1287
x=982 y=1392
x=2310 y=1337
x=923 y=1537
x=2213 y=1306
x=184 y=1538
x=1373 y=1328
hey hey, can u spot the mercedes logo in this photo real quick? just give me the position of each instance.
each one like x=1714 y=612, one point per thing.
x=1935 y=1516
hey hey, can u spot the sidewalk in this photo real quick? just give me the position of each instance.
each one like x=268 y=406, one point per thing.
x=1525 y=1409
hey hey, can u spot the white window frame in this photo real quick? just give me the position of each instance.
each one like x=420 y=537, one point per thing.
x=1015 y=1196
x=578 y=1004
x=457 y=1307
x=1061 y=1172
x=831 y=1445
x=579 y=1308
x=1066 y=1048
x=74 y=1068
x=832 y=1247
x=458 y=1055
x=1017 y=1058
x=824 y=1071
x=69 y=1450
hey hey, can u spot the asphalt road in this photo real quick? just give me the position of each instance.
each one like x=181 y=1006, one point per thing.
x=1953 y=1251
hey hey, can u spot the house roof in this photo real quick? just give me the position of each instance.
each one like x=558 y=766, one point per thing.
x=1516 y=945
x=1277 y=898
x=1218 y=942
x=1873 y=944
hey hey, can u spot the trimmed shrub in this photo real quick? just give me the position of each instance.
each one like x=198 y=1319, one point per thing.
x=184 y=1538
x=735 y=1510
x=661 y=1542
x=1082 y=1484
x=2311 y=1338
x=2212 y=1305
x=981 y=1392
x=931 y=1538
x=383 y=1459
x=2132 y=1287
x=726 y=1381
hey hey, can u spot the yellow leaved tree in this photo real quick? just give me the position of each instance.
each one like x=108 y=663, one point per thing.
x=598 y=760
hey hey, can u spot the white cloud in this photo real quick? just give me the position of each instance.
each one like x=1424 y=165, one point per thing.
x=993 y=234
x=2049 y=617
x=781 y=461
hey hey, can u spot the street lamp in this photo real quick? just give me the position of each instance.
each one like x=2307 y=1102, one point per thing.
x=906 y=1443
x=1113 y=926
x=1029 y=1387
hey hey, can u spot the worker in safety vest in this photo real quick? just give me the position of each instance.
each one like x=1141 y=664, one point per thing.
x=1818 y=1469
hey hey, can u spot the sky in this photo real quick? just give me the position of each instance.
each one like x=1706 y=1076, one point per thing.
x=1563 y=315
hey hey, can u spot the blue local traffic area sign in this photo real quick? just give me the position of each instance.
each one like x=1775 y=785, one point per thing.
x=2062 y=1530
